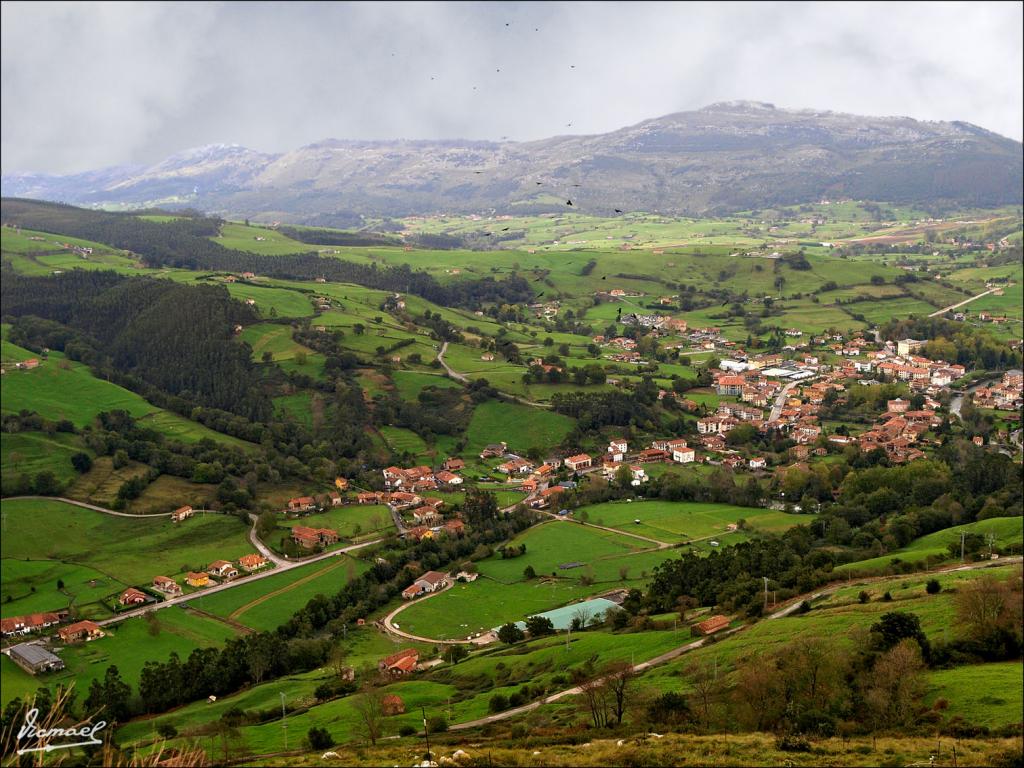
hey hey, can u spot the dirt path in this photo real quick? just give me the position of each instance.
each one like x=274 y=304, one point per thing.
x=238 y=627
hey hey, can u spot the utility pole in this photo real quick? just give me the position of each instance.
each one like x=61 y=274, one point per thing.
x=426 y=733
x=284 y=722
x=963 y=535
x=765 y=591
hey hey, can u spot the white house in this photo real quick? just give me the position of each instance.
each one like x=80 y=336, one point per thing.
x=683 y=455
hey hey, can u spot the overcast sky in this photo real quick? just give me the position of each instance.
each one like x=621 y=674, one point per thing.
x=86 y=85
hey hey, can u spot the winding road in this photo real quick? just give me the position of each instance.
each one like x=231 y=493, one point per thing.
x=465 y=380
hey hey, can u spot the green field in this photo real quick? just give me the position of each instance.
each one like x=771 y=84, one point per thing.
x=269 y=602
x=273 y=338
x=349 y=520
x=239 y=237
x=30 y=586
x=45 y=390
x=128 y=645
x=34 y=452
x=298 y=407
x=1006 y=530
x=502 y=593
x=130 y=551
x=402 y=440
x=273 y=302
x=674 y=522
x=409 y=383
x=982 y=694
x=521 y=426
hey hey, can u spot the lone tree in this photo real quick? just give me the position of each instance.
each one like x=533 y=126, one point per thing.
x=511 y=634
x=580 y=617
x=538 y=626
x=618 y=681
x=369 y=707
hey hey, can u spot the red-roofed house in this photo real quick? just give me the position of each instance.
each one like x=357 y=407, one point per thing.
x=252 y=562
x=22 y=625
x=80 y=630
x=181 y=513
x=301 y=504
x=579 y=461
x=310 y=538
x=132 y=596
x=400 y=658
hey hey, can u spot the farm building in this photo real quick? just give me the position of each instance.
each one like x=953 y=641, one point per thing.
x=181 y=513
x=401 y=663
x=431 y=581
x=313 y=537
x=710 y=626
x=34 y=658
x=301 y=504
x=80 y=630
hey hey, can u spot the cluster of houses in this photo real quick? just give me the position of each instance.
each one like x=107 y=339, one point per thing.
x=218 y=569
x=1007 y=395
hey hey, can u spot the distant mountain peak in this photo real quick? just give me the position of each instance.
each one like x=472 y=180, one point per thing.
x=740 y=105
x=729 y=156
